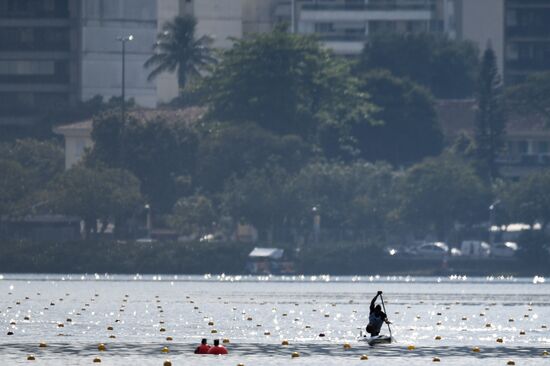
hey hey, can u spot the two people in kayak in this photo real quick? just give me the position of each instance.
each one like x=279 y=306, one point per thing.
x=216 y=349
x=377 y=317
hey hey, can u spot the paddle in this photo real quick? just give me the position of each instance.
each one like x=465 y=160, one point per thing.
x=384 y=307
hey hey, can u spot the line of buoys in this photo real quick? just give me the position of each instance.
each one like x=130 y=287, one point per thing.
x=165 y=349
x=101 y=347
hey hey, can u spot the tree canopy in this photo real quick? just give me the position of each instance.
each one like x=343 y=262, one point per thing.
x=178 y=49
x=408 y=129
x=286 y=83
x=447 y=67
x=531 y=96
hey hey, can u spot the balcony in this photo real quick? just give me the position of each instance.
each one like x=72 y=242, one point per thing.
x=524 y=160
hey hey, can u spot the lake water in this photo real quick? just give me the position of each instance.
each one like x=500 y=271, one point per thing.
x=441 y=317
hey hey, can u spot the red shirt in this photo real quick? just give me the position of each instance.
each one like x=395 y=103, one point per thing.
x=217 y=350
x=202 y=349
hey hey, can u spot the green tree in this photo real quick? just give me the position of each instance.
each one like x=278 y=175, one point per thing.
x=232 y=150
x=43 y=160
x=447 y=67
x=14 y=185
x=528 y=200
x=531 y=96
x=259 y=198
x=178 y=49
x=284 y=82
x=490 y=119
x=350 y=197
x=97 y=194
x=195 y=214
x=408 y=130
x=160 y=151
x=439 y=192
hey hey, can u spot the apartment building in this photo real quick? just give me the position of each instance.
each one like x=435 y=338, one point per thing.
x=344 y=25
x=38 y=58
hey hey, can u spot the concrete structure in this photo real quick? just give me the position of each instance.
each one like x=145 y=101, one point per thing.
x=527 y=38
x=483 y=23
x=38 y=58
x=78 y=138
x=344 y=25
x=102 y=21
x=221 y=19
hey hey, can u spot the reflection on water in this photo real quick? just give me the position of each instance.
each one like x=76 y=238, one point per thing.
x=136 y=316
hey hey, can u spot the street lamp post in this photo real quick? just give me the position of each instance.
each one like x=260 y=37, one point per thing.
x=492 y=222
x=123 y=40
x=316 y=224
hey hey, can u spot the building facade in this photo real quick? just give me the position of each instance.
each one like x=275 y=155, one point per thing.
x=38 y=58
x=344 y=25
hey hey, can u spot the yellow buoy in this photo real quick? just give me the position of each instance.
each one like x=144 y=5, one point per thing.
x=42 y=345
x=165 y=349
x=464 y=318
x=112 y=336
x=240 y=364
x=101 y=347
x=162 y=329
x=364 y=357
x=510 y=363
x=437 y=338
x=521 y=332
x=31 y=358
x=97 y=359
x=210 y=323
x=543 y=326
x=295 y=354
x=284 y=342
x=225 y=340
x=249 y=318
x=545 y=353
x=436 y=359
x=500 y=340
x=267 y=333
x=347 y=346
x=213 y=331
x=169 y=338
x=476 y=349
x=411 y=347
x=488 y=325
x=167 y=363
x=110 y=328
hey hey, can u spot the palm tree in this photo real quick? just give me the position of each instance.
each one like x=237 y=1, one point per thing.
x=177 y=48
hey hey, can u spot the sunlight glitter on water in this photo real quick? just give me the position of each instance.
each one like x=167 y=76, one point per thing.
x=134 y=316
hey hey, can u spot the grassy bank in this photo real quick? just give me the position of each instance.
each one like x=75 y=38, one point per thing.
x=230 y=258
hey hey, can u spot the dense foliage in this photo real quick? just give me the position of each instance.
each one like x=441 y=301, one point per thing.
x=447 y=67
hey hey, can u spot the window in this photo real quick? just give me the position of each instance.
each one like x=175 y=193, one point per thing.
x=542 y=147
x=27 y=67
x=523 y=147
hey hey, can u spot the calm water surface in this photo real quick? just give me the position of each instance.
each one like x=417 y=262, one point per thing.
x=134 y=315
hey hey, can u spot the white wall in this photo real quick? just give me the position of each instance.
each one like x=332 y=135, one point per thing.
x=482 y=21
x=101 y=72
x=221 y=19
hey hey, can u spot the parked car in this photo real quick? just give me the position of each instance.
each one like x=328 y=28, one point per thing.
x=431 y=250
x=507 y=249
x=475 y=248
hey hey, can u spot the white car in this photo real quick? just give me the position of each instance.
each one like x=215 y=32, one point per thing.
x=432 y=250
x=507 y=249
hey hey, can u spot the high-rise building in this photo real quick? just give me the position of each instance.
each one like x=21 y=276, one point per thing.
x=38 y=58
x=344 y=25
x=527 y=37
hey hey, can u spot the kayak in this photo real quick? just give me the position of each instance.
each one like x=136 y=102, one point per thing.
x=379 y=339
